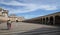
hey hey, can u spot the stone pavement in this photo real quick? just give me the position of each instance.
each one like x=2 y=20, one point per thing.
x=27 y=29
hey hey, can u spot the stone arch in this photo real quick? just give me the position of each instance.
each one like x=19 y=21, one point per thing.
x=57 y=20
x=43 y=20
x=47 y=19
x=16 y=20
x=51 y=20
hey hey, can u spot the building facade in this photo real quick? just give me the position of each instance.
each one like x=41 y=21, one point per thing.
x=15 y=18
x=5 y=17
x=51 y=19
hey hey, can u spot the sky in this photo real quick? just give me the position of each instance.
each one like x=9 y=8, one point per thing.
x=31 y=8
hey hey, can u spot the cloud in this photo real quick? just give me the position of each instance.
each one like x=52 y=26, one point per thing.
x=31 y=16
x=48 y=7
x=13 y=3
x=27 y=7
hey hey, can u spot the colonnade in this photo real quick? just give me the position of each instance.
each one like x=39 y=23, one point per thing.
x=51 y=20
x=48 y=20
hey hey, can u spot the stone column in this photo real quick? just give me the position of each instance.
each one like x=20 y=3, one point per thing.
x=48 y=20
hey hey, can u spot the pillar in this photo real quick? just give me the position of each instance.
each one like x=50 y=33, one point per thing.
x=48 y=20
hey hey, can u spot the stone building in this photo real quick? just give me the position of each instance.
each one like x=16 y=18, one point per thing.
x=4 y=16
x=15 y=18
x=52 y=19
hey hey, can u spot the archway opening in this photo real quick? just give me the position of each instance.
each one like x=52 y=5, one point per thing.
x=16 y=20
x=43 y=20
x=57 y=20
x=51 y=20
x=47 y=20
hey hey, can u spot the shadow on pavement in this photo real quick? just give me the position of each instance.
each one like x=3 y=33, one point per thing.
x=42 y=31
x=3 y=29
x=58 y=25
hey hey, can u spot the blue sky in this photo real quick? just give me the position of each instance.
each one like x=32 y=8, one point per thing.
x=31 y=8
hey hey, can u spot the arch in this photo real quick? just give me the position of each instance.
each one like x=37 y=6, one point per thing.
x=43 y=20
x=16 y=20
x=51 y=20
x=47 y=19
x=57 y=20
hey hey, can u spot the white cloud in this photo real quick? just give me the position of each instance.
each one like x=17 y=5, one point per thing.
x=13 y=3
x=48 y=7
x=29 y=7
x=31 y=16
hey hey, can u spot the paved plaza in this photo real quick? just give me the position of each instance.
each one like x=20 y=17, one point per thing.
x=21 y=28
